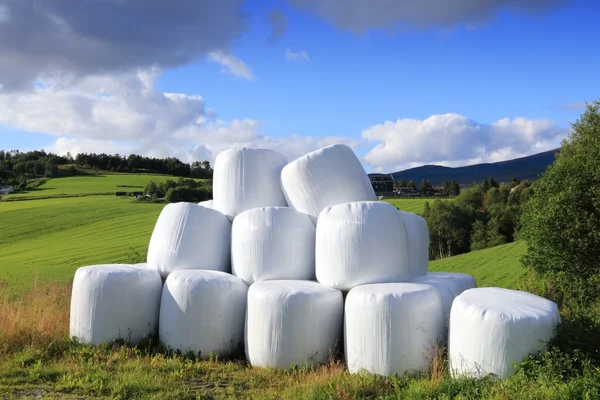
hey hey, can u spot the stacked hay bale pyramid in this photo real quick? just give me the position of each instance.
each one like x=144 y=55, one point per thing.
x=293 y=260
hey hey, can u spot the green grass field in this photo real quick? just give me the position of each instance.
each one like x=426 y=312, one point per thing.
x=497 y=266
x=49 y=239
x=109 y=183
x=415 y=206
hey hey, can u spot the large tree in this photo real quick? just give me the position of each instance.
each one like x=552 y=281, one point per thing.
x=561 y=220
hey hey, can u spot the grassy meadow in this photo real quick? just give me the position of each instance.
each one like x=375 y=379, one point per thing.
x=415 y=206
x=91 y=184
x=43 y=242
x=49 y=239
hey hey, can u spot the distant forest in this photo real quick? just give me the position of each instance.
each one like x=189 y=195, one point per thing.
x=16 y=167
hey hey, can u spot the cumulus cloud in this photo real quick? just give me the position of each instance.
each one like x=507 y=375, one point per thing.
x=452 y=139
x=359 y=15
x=4 y=14
x=57 y=37
x=125 y=113
x=296 y=56
x=231 y=64
x=574 y=106
x=278 y=22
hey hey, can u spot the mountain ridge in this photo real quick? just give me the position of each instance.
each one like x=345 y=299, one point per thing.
x=522 y=168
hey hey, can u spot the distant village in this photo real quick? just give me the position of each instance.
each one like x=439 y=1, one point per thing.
x=384 y=185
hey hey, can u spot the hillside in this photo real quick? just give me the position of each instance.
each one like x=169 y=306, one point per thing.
x=49 y=239
x=521 y=168
x=495 y=266
x=101 y=184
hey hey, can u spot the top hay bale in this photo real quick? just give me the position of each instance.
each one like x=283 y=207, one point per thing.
x=245 y=178
x=326 y=177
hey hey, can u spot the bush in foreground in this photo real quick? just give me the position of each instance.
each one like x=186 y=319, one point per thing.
x=561 y=221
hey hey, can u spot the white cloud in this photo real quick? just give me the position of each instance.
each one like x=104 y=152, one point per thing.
x=54 y=37
x=296 y=56
x=453 y=140
x=359 y=15
x=63 y=145
x=125 y=114
x=278 y=22
x=4 y=14
x=231 y=65
x=574 y=106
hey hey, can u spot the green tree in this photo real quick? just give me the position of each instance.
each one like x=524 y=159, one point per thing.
x=561 y=220
x=479 y=236
x=425 y=186
x=451 y=187
x=411 y=184
x=51 y=169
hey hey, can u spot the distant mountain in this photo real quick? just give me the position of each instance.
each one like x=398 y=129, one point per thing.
x=529 y=167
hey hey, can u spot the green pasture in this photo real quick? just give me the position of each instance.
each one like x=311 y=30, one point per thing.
x=51 y=238
x=89 y=184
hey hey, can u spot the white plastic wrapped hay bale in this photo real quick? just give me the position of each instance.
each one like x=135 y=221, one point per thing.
x=493 y=328
x=418 y=243
x=271 y=243
x=292 y=323
x=207 y=204
x=110 y=302
x=189 y=237
x=203 y=312
x=448 y=290
x=461 y=282
x=245 y=178
x=359 y=243
x=326 y=177
x=392 y=328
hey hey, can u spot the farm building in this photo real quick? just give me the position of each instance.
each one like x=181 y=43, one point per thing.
x=383 y=184
x=407 y=192
x=7 y=189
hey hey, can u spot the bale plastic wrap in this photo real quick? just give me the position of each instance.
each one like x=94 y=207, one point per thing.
x=292 y=323
x=323 y=178
x=447 y=288
x=245 y=178
x=203 y=312
x=190 y=237
x=359 y=243
x=462 y=282
x=207 y=204
x=110 y=302
x=272 y=243
x=392 y=328
x=493 y=328
x=418 y=243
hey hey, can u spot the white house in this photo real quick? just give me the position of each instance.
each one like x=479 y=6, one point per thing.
x=6 y=189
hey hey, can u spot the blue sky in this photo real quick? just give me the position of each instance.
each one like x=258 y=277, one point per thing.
x=401 y=97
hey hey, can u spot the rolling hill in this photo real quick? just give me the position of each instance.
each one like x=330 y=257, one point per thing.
x=45 y=240
x=529 y=167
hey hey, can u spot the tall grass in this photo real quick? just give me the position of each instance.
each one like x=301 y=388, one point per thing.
x=37 y=318
x=37 y=357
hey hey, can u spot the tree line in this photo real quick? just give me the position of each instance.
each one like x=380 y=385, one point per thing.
x=135 y=164
x=188 y=190
x=450 y=188
x=16 y=167
x=481 y=216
